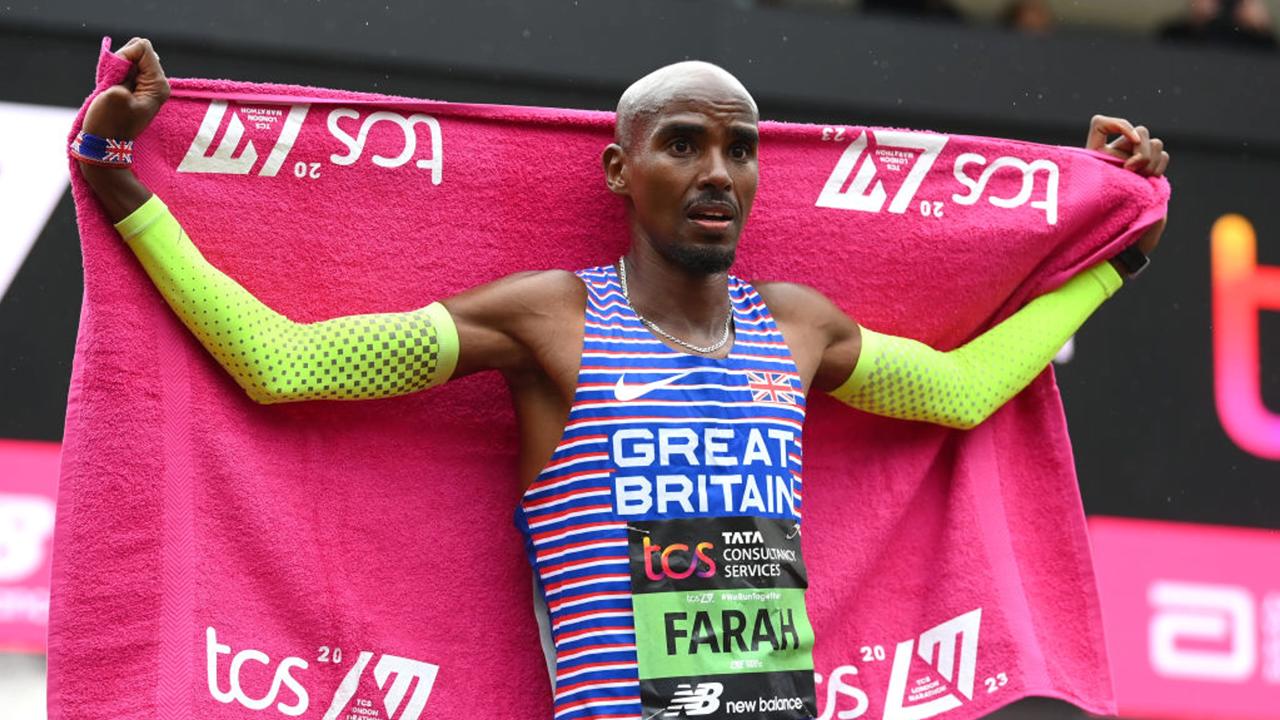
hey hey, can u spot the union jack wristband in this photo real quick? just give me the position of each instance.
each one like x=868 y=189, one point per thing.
x=102 y=151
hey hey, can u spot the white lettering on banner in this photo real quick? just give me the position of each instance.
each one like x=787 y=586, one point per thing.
x=1271 y=638
x=406 y=671
x=25 y=605
x=355 y=145
x=1028 y=169
x=866 y=193
x=837 y=686
x=961 y=632
x=224 y=160
x=1202 y=613
x=33 y=177
x=236 y=693
x=26 y=522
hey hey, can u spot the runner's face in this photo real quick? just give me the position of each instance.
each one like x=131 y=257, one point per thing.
x=692 y=175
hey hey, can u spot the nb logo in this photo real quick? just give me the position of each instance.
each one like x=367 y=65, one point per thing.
x=405 y=672
x=223 y=159
x=692 y=701
x=1049 y=204
x=867 y=193
x=938 y=647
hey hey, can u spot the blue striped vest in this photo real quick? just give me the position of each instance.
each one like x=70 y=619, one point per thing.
x=665 y=530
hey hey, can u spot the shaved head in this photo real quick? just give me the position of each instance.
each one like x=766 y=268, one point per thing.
x=645 y=99
x=685 y=157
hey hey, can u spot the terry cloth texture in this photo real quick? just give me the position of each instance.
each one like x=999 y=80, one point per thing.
x=214 y=556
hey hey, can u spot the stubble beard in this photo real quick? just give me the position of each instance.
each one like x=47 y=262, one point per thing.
x=697 y=259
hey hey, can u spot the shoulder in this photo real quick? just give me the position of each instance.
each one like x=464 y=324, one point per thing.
x=535 y=288
x=522 y=297
x=549 y=285
x=789 y=301
x=806 y=315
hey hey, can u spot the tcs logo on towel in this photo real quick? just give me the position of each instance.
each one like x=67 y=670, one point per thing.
x=874 y=162
x=395 y=677
x=243 y=132
x=929 y=675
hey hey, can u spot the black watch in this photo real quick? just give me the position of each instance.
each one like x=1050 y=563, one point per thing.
x=1133 y=260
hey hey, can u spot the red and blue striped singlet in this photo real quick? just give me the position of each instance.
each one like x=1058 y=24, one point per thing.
x=665 y=530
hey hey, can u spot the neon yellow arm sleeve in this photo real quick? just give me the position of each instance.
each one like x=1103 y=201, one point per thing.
x=902 y=378
x=274 y=358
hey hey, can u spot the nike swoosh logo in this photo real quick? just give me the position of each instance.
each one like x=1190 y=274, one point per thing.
x=625 y=392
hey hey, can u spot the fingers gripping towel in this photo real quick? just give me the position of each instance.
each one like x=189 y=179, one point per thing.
x=220 y=559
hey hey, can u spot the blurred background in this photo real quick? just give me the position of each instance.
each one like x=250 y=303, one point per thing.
x=1172 y=392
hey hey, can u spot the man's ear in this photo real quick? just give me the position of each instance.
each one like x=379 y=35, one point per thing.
x=615 y=176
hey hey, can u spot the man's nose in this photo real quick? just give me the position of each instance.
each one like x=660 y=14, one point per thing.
x=715 y=173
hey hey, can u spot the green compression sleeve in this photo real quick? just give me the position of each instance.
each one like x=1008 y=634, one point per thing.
x=274 y=358
x=902 y=378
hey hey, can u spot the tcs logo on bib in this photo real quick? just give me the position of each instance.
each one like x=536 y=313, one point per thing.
x=676 y=561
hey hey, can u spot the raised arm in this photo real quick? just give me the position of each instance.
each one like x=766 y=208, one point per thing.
x=903 y=378
x=272 y=357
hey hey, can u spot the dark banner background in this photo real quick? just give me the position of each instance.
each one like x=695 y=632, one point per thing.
x=1139 y=390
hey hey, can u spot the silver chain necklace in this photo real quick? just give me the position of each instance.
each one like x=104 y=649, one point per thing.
x=724 y=337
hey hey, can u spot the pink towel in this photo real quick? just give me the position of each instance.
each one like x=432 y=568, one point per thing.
x=219 y=559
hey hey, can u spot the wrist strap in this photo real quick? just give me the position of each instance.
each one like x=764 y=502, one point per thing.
x=1133 y=260
x=101 y=151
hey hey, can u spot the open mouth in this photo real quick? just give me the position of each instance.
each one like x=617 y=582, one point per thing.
x=712 y=216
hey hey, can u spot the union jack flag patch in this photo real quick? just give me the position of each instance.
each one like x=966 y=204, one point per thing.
x=102 y=151
x=771 y=387
x=120 y=151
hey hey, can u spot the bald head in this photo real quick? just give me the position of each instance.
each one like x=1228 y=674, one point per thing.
x=685 y=157
x=692 y=79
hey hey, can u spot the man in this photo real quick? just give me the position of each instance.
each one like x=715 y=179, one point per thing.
x=658 y=398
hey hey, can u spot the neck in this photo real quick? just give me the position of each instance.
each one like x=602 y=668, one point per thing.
x=690 y=306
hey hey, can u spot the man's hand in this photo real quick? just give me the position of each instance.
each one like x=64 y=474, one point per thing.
x=1141 y=153
x=123 y=111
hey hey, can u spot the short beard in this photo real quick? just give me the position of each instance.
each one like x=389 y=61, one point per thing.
x=699 y=259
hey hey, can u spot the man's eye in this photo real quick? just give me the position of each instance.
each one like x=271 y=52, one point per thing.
x=681 y=146
x=740 y=152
